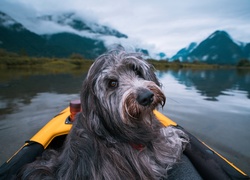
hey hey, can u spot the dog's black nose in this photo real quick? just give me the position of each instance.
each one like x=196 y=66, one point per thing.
x=145 y=97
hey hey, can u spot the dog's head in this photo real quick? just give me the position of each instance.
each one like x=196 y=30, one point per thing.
x=120 y=88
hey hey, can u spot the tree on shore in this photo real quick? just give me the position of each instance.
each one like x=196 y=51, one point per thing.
x=243 y=63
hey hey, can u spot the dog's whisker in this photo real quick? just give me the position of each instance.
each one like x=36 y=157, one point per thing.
x=127 y=111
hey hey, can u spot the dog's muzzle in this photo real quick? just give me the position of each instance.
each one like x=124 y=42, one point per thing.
x=145 y=97
x=142 y=100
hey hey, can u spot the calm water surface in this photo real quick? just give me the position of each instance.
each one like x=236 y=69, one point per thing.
x=214 y=105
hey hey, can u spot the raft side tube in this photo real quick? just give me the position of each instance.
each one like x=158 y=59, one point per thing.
x=27 y=154
x=55 y=127
x=209 y=163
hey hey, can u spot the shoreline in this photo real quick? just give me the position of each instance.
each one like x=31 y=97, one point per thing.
x=48 y=63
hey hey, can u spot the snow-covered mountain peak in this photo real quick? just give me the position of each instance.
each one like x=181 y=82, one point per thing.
x=80 y=24
x=191 y=47
x=63 y=19
x=219 y=33
x=218 y=48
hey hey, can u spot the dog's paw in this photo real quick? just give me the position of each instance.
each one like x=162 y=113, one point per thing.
x=175 y=136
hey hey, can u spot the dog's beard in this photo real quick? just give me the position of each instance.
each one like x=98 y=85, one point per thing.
x=132 y=111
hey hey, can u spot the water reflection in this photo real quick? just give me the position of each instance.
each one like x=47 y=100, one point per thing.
x=29 y=99
x=214 y=105
x=19 y=89
x=213 y=83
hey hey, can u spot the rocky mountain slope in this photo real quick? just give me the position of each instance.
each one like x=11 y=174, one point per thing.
x=78 y=37
x=218 y=48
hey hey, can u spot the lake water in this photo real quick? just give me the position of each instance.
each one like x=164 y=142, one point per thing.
x=214 y=105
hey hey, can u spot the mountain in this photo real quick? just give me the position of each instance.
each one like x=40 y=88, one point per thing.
x=77 y=36
x=15 y=37
x=75 y=22
x=64 y=44
x=184 y=52
x=246 y=50
x=218 y=48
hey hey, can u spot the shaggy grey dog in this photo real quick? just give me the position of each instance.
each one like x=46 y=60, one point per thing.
x=116 y=136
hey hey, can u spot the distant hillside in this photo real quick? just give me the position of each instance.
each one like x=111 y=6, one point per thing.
x=218 y=48
x=14 y=37
x=17 y=38
x=64 y=44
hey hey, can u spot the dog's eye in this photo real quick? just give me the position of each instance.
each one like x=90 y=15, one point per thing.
x=113 y=83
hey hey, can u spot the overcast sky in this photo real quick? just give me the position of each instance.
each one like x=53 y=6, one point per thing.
x=161 y=25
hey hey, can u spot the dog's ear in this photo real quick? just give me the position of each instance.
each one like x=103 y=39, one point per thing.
x=150 y=75
x=138 y=63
